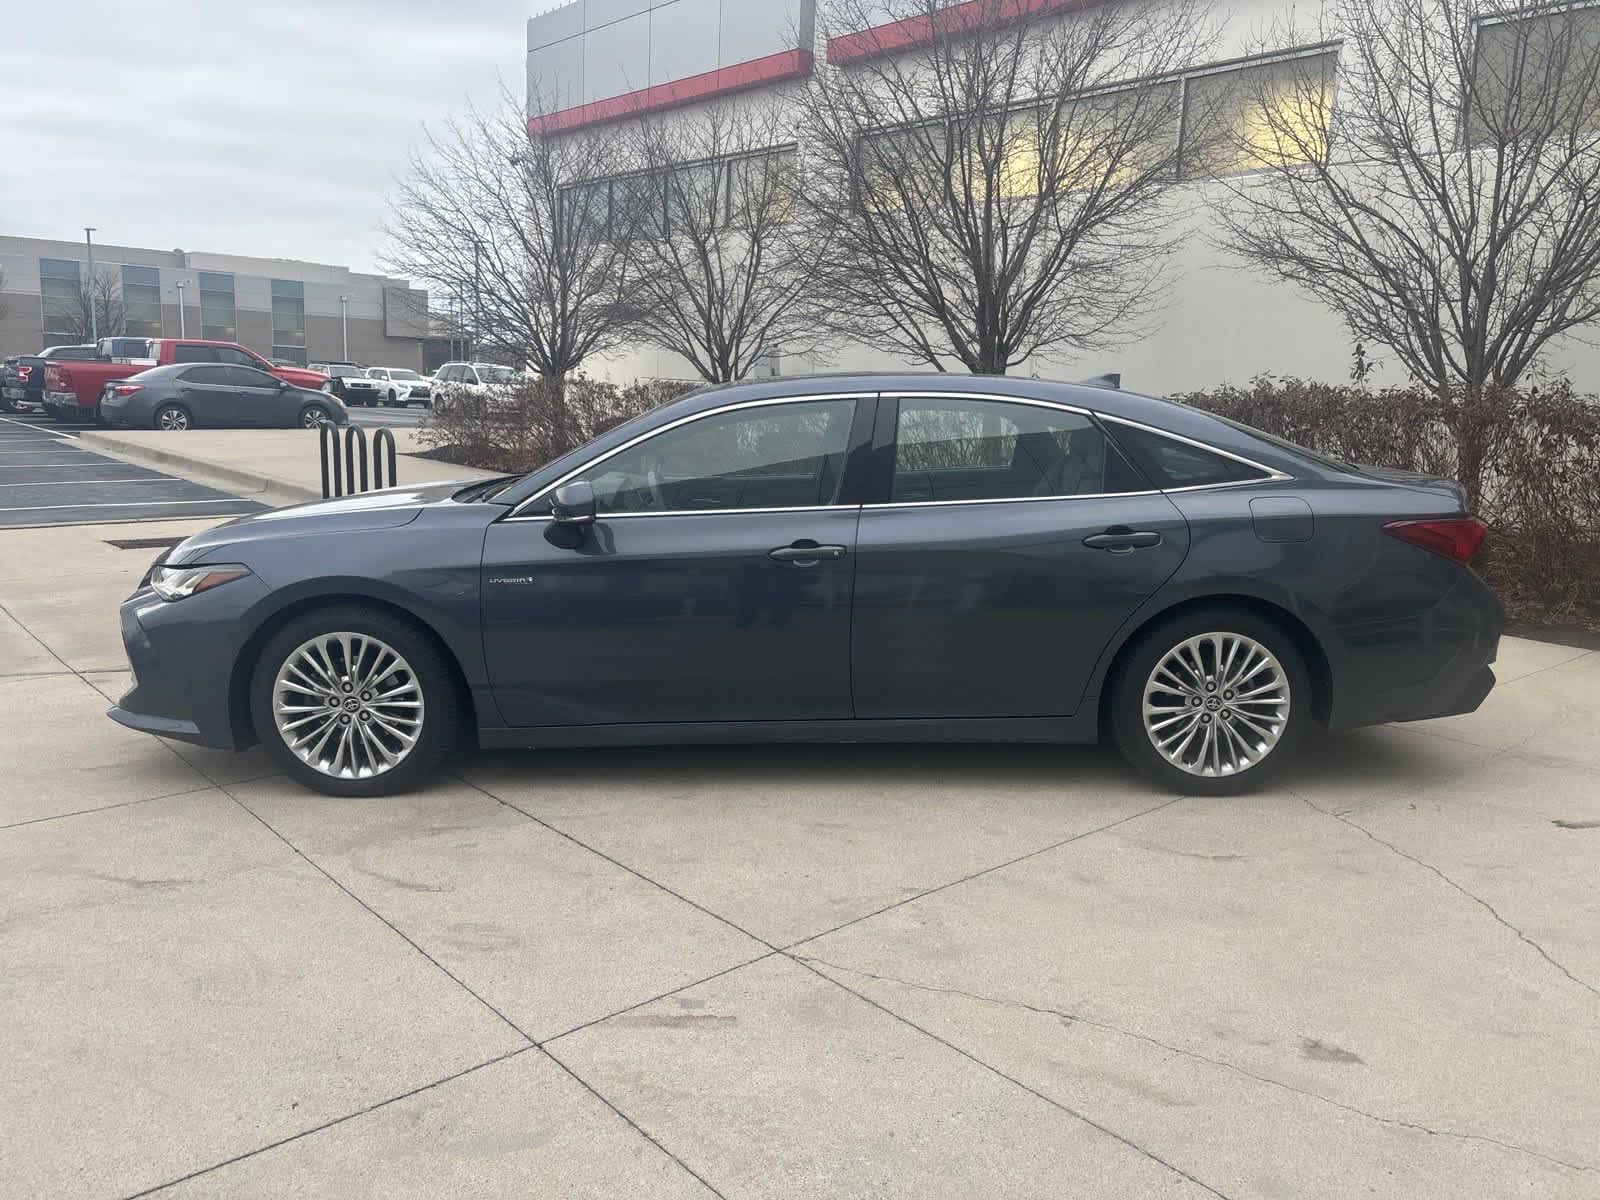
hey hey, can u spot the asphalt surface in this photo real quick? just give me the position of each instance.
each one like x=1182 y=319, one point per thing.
x=396 y=418
x=46 y=478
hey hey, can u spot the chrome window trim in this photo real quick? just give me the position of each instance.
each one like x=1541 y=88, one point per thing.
x=1006 y=500
x=1273 y=475
x=698 y=512
x=937 y=394
x=685 y=420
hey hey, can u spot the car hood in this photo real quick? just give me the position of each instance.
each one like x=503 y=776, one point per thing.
x=369 y=510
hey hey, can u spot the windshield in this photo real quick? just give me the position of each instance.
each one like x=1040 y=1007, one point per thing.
x=1272 y=439
x=404 y=375
x=496 y=375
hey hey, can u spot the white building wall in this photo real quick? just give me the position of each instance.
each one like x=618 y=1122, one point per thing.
x=1221 y=322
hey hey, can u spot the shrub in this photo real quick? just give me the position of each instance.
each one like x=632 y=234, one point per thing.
x=524 y=425
x=1530 y=461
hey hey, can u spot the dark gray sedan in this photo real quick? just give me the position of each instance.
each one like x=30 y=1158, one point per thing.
x=856 y=558
x=215 y=396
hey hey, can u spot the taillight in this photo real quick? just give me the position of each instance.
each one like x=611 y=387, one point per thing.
x=1457 y=538
x=127 y=389
x=23 y=372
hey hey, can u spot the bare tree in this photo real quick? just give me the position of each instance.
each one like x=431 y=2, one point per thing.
x=100 y=295
x=1447 y=207
x=997 y=190
x=513 y=225
x=724 y=272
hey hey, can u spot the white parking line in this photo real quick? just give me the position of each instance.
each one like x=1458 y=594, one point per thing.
x=119 y=504
x=26 y=425
x=82 y=482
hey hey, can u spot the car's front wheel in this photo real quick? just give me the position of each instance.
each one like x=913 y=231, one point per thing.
x=314 y=415
x=352 y=701
x=1211 y=703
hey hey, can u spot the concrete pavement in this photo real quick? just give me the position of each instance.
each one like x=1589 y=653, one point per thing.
x=769 y=972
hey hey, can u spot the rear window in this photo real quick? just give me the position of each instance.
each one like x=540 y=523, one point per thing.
x=1272 y=439
x=1169 y=463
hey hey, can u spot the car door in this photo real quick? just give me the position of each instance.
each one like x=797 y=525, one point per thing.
x=209 y=394
x=714 y=585
x=260 y=402
x=1009 y=543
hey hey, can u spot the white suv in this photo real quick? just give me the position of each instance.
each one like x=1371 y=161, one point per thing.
x=403 y=385
x=465 y=380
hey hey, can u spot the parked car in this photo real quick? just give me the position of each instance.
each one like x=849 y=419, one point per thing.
x=862 y=558
x=404 y=385
x=72 y=391
x=458 y=381
x=22 y=375
x=215 y=396
x=349 y=382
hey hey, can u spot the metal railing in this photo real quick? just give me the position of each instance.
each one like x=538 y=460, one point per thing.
x=343 y=468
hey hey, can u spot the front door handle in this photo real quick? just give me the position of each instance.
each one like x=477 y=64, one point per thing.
x=806 y=553
x=1122 y=541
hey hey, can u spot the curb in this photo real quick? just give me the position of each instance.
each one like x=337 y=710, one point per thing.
x=265 y=488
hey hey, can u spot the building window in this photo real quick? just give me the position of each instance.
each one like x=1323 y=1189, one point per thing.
x=217 y=319
x=141 y=302
x=289 y=321
x=1535 y=74
x=61 y=297
x=703 y=195
x=1262 y=114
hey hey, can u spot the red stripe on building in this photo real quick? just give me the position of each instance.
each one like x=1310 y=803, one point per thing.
x=917 y=31
x=774 y=68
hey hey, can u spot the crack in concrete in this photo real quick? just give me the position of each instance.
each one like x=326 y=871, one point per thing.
x=1224 y=1064
x=1476 y=899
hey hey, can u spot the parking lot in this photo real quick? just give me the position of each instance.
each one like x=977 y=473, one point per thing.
x=870 y=971
x=46 y=478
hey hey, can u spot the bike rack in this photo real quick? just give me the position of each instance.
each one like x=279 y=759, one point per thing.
x=342 y=467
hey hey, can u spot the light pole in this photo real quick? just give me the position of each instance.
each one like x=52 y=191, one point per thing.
x=94 y=323
x=344 y=327
x=183 y=327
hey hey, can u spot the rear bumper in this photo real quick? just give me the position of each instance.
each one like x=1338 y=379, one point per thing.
x=1436 y=664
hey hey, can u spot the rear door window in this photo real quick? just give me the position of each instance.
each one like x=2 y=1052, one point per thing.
x=227 y=354
x=209 y=376
x=961 y=448
x=188 y=352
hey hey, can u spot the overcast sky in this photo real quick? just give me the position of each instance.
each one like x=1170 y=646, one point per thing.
x=268 y=127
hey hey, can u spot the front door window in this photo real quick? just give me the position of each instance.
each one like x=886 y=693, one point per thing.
x=770 y=456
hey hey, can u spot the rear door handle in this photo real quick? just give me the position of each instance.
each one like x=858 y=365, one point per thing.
x=1122 y=541
x=806 y=555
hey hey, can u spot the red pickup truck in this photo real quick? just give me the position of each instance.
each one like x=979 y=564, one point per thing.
x=72 y=389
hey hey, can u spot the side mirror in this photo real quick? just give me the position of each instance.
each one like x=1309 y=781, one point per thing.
x=284 y=385
x=573 y=503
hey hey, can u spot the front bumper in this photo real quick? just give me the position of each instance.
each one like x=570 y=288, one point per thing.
x=183 y=653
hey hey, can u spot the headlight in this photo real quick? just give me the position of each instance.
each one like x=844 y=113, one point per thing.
x=174 y=583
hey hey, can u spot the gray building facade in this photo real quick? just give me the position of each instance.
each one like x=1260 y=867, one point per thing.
x=283 y=309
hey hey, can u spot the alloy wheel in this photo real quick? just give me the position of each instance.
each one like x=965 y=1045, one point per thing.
x=313 y=417
x=1216 y=704
x=172 y=418
x=348 y=705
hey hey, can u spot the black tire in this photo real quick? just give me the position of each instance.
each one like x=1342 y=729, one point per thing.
x=1126 y=713
x=441 y=714
x=394 y=398
x=172 y=417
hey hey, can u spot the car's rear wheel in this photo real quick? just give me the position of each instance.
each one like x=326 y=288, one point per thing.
x=172 y=417
x=352 y=701
x=1211 y=703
